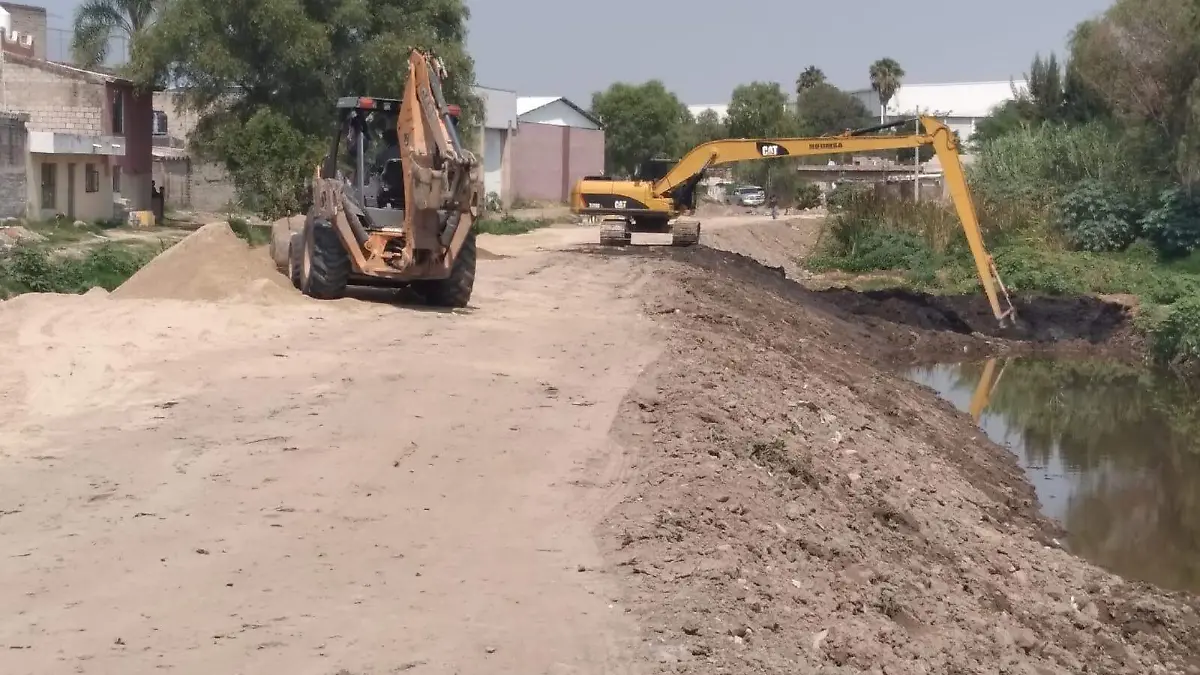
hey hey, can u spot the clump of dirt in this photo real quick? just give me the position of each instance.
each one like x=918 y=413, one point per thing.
x=11 y=235
x=210 y=264
x=801 y=509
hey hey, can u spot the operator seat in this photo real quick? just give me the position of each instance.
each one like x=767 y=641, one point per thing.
x=391 y=185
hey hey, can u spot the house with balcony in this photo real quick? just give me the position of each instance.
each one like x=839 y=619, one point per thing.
x=88 y=135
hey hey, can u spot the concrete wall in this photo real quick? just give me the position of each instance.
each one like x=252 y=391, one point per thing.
x=193 y=187
x=13 y=183
x=190 y=185
x=71 y=197
x=548 y=159
x=30 y=21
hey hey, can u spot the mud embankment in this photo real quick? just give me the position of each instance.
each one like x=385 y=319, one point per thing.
x=803 y=509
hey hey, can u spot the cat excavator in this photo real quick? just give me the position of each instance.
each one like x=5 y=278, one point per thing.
x=661 y=197
x=396 y=199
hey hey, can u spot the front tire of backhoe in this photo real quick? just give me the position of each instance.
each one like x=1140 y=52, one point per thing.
x=325 y=263
x=455 y=290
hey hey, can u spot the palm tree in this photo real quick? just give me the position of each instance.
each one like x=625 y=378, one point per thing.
x=886 y=75
x=97 y=20
x=811 y=77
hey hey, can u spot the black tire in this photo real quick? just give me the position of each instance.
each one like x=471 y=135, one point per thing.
x=325 y=270
x=455 y=290
x=295 y=259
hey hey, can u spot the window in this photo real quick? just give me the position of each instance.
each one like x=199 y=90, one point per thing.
x=160 y=123
x=49 y=185
x=91 y=178
x=117 y=179
x=118 y=113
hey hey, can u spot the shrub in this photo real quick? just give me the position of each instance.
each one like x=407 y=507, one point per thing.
x=1174 y=225
x=1097 y=216
x=33 y=270
x=509 y=224
x=808 y=196
x=1037 y=165
x=847 y=195
x=1176 y=339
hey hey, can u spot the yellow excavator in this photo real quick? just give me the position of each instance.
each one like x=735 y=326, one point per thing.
x=661 y=197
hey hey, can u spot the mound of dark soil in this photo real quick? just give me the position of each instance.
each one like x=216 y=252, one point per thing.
x=925 y=325
x=802 y=510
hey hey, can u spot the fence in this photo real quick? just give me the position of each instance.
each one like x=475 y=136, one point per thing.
x=58 y=47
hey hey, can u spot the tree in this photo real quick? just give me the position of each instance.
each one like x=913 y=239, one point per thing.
x=759 y=110
x=1045 y=89
x=886 y=76
x=705 y=127
x=1142 y=60
x=641 y=121
x=825 y=109
x=97 y=20
x=284 y=63
x=811 y=77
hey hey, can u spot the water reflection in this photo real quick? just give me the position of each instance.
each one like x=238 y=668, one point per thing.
x=1112 y=450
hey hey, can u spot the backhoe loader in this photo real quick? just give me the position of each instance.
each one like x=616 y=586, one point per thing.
x=662 y=196
x=403 y=216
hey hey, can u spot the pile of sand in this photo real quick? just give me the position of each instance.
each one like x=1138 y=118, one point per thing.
x=210 y=264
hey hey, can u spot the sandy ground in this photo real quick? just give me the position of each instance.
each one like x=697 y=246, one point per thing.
x=227 y=487
x=656 y=460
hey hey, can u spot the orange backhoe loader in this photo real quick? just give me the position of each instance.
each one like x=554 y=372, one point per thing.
x=396 y=200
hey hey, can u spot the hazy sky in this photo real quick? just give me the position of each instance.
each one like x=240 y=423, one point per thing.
x=703 y=48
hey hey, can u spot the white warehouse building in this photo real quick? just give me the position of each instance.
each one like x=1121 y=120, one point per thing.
x=960 y=105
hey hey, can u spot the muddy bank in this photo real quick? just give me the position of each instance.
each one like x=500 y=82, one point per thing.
x=801 y=509
x=902 y=326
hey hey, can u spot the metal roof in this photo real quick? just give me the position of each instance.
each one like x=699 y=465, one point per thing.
x=527 y=104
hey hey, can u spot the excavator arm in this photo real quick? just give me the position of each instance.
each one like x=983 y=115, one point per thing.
x=715 y=153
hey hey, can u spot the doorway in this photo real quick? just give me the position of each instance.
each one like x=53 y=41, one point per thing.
x=71 y=190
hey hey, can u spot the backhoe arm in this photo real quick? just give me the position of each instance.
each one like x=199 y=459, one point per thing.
x=938 y=135
x=442 y=178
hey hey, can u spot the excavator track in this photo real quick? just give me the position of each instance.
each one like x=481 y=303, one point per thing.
x=615 y=232
x=685 y=233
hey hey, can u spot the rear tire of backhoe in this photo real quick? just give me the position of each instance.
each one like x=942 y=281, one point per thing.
x=455 y=290
x=325 y=263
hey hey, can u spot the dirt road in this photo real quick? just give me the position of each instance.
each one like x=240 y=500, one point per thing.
x=657 y=460
x=225 y=488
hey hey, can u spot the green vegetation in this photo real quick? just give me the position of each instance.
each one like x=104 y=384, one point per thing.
x=262 y=75
x=509 y=224
x=32 y=269
x=1086 y=183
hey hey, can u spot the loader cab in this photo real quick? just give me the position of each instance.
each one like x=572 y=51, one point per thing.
x=366 y=152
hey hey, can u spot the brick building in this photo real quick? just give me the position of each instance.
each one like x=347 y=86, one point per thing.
x=88 y=137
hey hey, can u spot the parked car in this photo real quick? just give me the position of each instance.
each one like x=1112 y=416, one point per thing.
x=749 y=195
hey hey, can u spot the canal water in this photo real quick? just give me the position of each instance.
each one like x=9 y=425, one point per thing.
x=1112 y=450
